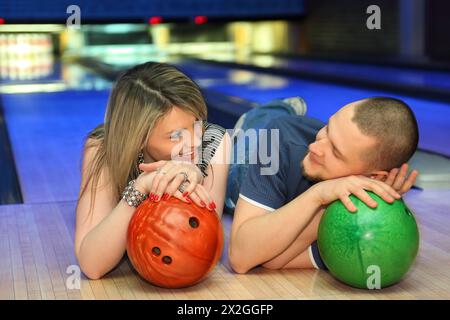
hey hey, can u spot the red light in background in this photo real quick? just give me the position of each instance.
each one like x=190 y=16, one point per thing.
x=2 y=21
x=155 y=20
x=200 y=19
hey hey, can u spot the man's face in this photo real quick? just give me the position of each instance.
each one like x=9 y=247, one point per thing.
x=338 y=149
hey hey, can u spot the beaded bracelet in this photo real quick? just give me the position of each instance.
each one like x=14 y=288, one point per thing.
x=132 y=196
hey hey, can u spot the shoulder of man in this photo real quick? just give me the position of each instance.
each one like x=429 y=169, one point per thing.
x=271 y=191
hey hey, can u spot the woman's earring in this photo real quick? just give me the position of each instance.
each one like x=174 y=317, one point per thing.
x=140 y=160
x=141 y=157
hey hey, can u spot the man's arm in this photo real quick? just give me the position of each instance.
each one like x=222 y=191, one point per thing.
x=301 y=245
x=258 y=237
x=297 y=255
x=301 y=261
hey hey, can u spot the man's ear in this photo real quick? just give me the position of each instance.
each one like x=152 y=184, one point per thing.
x=378 y=175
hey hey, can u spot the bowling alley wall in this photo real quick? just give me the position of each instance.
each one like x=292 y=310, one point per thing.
x=26 y=55
x=411 y=28
x=32 y=32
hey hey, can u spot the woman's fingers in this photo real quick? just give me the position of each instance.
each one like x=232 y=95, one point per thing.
x=167 y=173
x=196 y=199
x=193 y=181
x=152 y=166
x=174 y=185
x=164 y=176
x=205 y=197
x=164 y=183
x=179 y=196
x=193 y=198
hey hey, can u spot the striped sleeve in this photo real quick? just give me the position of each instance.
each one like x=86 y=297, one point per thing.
x=211 y=139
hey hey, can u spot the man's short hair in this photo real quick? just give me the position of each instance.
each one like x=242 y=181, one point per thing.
x=392 y=122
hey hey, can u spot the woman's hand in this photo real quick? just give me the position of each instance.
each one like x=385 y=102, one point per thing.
x=202 y=198
x=170 y=175
x=397 y=179
x=144 y=182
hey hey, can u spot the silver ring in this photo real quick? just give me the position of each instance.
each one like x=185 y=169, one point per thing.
x=183 y=186
x=185 y=176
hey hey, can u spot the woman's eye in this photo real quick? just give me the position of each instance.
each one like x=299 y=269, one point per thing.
x=175 y=136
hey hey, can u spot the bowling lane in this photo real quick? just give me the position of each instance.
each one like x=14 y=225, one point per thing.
x=416 y=80
x=413 y=77
x=323 y=98
x=47 y=129
x=47 y=118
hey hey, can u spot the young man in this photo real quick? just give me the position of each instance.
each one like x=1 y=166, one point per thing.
x=361 y=148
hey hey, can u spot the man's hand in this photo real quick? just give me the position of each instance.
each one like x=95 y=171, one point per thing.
x=341 y=188
x=397 y=179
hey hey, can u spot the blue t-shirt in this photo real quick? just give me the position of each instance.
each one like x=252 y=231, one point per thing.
x=275 y=190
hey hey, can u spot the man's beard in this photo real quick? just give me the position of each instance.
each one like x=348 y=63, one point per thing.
x=306 y=175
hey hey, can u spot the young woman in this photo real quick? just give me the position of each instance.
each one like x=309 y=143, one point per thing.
x=154 y=143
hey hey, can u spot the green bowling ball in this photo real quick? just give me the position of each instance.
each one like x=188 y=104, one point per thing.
x=372 y=248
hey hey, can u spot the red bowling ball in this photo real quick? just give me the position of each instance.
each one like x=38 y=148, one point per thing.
x=172 y=244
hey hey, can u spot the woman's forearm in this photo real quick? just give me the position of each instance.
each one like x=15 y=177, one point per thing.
x=104 y=246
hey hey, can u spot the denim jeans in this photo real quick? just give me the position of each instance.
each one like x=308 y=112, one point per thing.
x=257 y=118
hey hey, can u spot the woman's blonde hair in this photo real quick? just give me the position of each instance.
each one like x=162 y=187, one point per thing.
x=139 y=98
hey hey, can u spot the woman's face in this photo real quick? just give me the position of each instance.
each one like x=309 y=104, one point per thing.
x=176 y=136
